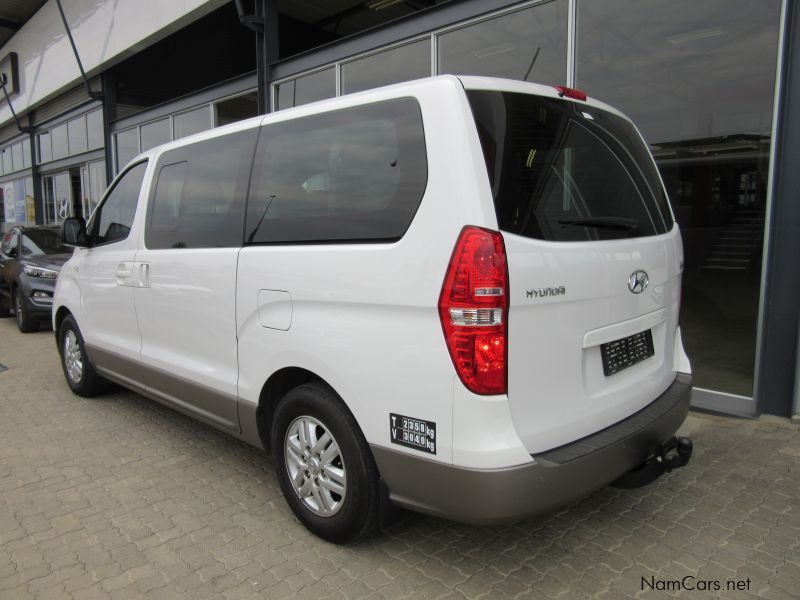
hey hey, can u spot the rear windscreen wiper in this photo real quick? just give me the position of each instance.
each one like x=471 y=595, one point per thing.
x=621 y=223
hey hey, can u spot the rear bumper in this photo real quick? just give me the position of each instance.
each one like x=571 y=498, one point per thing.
x=554 y=478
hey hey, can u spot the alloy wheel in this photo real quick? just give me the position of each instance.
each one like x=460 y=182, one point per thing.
x=73 y=361
x=315 y=465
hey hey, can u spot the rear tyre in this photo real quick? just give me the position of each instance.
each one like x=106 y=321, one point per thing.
x=81 y=376
x=24 y=321
x=324 y=465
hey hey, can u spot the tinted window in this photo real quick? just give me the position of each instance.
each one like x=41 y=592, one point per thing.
x=563 y=171
x=36 y=242
x=113 y=220
x=200 y=193
x=350 y=175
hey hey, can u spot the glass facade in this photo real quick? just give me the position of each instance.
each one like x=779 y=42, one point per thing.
x=190 y=122
x=402 y=63
x=74 y=137
x=181 y=124
x=698 y=80
x=155 y=133
x=235 y=109
x=127 y=146
x=305 y=89
x=528 y=44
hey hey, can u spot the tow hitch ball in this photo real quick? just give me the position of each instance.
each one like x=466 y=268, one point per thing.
x=674 y=453
x=671 y=454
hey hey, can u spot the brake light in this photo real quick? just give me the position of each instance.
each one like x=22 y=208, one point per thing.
x=570 y=92
x=473 y=309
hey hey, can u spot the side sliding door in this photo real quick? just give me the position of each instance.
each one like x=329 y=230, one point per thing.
x=186 y=306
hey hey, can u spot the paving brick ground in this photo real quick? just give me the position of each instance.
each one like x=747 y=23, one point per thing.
x=119 y=497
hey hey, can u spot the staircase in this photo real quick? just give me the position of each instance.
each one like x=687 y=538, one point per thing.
x=739 y=245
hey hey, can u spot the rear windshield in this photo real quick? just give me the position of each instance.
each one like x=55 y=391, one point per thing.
x=563 y=171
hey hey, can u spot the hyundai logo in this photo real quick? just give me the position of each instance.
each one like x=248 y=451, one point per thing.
x=638 y=281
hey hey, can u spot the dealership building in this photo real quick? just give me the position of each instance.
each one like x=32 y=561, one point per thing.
x=714 y=87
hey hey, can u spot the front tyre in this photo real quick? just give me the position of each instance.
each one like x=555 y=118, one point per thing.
x=24 y=321
x=81 y=376
x=323 y=464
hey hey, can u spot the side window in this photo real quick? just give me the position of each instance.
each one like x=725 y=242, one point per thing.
x=349 y=175
x=113 y=219
x=200 y=192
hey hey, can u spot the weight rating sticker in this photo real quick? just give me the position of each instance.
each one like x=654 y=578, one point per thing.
x=412 y=433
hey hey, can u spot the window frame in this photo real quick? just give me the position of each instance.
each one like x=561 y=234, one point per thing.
x=97 y=213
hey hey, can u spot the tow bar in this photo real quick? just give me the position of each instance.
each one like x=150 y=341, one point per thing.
x=671 y=454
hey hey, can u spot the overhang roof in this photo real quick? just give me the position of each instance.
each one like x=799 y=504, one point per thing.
x=14 y=14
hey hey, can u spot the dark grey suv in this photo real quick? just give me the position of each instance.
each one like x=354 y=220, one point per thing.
x=30 y=260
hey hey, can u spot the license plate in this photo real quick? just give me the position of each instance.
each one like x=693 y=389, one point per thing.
x=626 y=352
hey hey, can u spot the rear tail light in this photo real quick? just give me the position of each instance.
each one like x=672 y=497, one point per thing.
x=473 y=308
x=570 y=93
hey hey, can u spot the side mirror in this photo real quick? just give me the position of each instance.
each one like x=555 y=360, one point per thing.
x=74 y=233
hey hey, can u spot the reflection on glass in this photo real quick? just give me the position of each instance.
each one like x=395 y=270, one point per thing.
x=58 y=137
x=309 y=88
x=403 y=63
x=236 y=109
x=329 y=20
x=16 y=156
x=193 y=121
x=45 y=150
x=155 y=134
x=127 y=143
x=94 y=126
x=26 y=153
x=97 y=185
x=529 y=44
x=76 y=130
x=698 y=80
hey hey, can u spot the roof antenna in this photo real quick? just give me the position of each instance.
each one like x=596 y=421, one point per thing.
x=533 y=62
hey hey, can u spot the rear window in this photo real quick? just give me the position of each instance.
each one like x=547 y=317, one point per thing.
x=352 y=175
x=563 y=171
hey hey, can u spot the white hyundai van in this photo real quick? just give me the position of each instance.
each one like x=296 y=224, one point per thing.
x=458 y=295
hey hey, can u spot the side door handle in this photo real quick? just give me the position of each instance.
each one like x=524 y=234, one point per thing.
x=124 y=274
x=143 y=274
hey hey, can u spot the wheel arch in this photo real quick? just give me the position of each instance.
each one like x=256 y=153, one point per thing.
x=61 y=313
x=280 y=383
x=276 y=387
